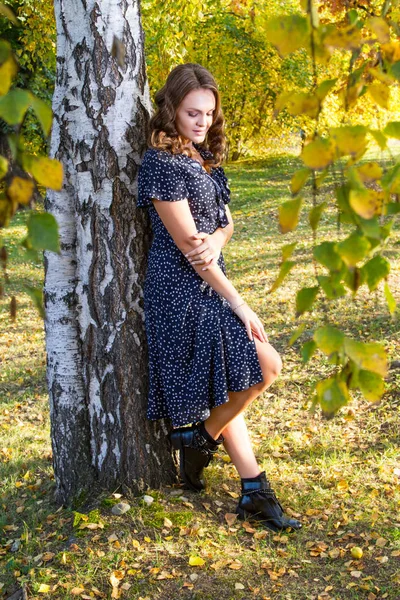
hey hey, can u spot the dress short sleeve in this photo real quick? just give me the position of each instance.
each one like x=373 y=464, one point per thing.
x=159 y=177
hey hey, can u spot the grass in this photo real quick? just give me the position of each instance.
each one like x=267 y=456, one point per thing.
x=340 y=476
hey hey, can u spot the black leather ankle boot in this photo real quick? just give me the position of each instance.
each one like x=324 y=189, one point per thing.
x=196 y=449
x=258 y=501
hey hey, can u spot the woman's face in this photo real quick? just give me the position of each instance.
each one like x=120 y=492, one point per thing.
x=194 y=116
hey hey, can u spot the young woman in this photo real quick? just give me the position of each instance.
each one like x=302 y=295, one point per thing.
x=209 y=356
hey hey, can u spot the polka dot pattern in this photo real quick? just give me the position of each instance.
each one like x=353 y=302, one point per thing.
x=198 y=347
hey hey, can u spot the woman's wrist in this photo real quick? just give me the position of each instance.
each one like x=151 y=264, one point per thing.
x=235 y=302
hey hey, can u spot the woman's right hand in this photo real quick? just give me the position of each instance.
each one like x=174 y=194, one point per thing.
x=251 y=321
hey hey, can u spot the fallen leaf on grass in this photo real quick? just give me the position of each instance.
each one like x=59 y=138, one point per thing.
x=239 y=586
x=167 y=523
x=116 y=577
x=77 y=590
x=44 y=588
x=231 y=518
x=196 y=561
x=236 y=565
x=382 y=559
x=381 y=542
x=356 y=574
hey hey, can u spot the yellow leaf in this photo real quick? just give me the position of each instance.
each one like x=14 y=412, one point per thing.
x=381 y=29
x=116 y=577
x=380 y=93
x=46 y=171
x=365 y=203
x=370 y=171
x=8 y=70
x=196 y=561
x=348 y=38
x=318 y=154
x=391 y=51
x=342 y=485
x=147 y=539
x=20 y=190
x=77 y=590
x=350 y=139
x=44 y=588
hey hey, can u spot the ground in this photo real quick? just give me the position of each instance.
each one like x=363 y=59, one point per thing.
x=340 y=477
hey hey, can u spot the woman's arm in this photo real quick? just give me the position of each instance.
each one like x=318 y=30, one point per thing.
x=224 y=234
x=177 y=219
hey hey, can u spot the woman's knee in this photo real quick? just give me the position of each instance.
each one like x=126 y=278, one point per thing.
x=270 y=362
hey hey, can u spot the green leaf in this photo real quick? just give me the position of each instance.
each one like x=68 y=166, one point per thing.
x=331 y=286
x=296 y=334
x=8 y=13
x=353 y=249
x=288 y=33
x=326 y=254
x=284 y=270
x=391 y=180
x=318 y=154
x=332 y=394
x=287 y=250
x=3 y=167
x=14 y=105
x=325 y=87
x=375 y=270
x=393 y=130
x=37 y=296
x=395 y=70
x=391 y=302
x=342 y=196
x=315 y=214
x=43 y=113
x=369 y=356
x=329 y=339
x=299 y=178
x=289 y=214
x=371 y=385
x=307 y=350
x=353 y=278
x=393 y=208
x=43 y=232
x=380 y=139
x=370 y=227
x=305 y=299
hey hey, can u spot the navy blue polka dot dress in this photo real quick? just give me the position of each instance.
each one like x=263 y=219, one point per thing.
x=198 y=347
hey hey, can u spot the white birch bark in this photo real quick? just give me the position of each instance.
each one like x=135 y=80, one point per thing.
x=95 y=336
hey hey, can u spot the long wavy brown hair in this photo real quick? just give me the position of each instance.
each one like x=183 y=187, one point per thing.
x=163 y=134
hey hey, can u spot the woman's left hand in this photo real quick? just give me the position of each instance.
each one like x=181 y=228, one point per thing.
x=206 y=253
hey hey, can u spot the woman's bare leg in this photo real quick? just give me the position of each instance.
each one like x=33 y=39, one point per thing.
x=221 y=416
x=229 y=420
x=238 y=446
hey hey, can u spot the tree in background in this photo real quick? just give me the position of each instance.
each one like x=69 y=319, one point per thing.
x=95 y=335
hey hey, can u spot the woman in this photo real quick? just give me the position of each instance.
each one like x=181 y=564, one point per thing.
x=206 y=345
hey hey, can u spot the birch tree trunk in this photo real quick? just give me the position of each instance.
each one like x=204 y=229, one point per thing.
x=95 y=337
